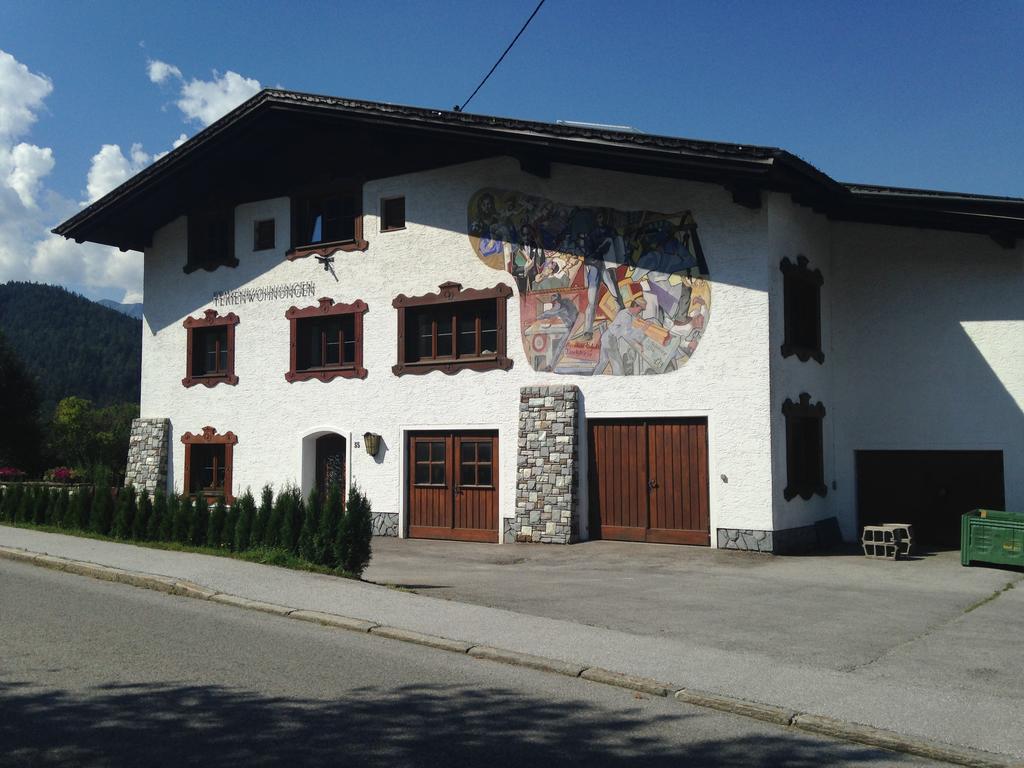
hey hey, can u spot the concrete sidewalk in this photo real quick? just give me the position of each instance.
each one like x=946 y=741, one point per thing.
x=905 y=689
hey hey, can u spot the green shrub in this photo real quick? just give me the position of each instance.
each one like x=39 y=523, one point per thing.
x=199 y=522
x=227 y=538
x=182 y=518
x=59 y=508
x=144 y=513
x=215 y=526
x=81 y=507
x=40 y=505
x=155 y=526
x=246 y=518
x=26 y=506
x=101 y=517
x=355 y=534
x=124 y=517
x=272 y=531
x=330 y=517
x=262 y=519
x=310 y=526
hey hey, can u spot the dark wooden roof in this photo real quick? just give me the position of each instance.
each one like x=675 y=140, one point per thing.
x=279 y=140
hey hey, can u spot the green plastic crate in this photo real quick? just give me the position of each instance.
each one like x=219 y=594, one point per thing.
x=992 y=536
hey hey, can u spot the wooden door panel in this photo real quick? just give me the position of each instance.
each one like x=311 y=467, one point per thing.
x=440 y=507
x=649 y=480
x=476 y=495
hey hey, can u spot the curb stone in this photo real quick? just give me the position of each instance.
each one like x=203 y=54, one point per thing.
x=432 y=641
x=252 y=605
x=767 y=712
x=526 y=660
x=333 y=620
x=642 y=684
x=897 y=742
x=817 y=724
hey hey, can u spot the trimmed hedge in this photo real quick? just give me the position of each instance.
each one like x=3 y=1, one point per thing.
x=324 y=532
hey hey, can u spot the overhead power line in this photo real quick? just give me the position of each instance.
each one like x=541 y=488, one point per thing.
x=500 y=58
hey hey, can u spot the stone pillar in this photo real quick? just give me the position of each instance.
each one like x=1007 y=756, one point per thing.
x=546 y=469
x=147 y=454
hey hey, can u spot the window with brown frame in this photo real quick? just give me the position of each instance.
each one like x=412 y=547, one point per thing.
x=452 y=330
x=208 y=464
x=802 y=308
x=327 y=219
x=475 y=463
x=264 y=235
x=805 y=459
x=210 y=345
x=429 y=462
x=392 y=214
x=211 y=240
x=326 y=341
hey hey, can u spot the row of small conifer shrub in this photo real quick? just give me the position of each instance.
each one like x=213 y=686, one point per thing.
x=327 y=532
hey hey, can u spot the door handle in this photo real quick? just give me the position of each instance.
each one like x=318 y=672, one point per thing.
x=651 y=484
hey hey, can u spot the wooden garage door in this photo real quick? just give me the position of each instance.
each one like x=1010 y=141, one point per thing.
x=649 y=480
x=453 y=491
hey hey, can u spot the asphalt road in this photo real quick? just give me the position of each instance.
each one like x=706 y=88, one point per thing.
x=94 y=673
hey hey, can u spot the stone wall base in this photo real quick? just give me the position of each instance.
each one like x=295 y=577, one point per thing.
x=385 y=523
x=788 y=541
x=147 y=454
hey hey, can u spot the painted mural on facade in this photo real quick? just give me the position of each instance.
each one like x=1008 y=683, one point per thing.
x=601 y=291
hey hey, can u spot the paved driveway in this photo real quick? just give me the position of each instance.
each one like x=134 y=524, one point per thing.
x=923 y=620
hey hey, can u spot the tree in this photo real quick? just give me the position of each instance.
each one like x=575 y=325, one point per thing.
x=182 y=518
x=310 y=526
x=20 y=436
x=215 y=526
x=246 y=520
x=355 y=534
x=141 y=526
x=124 y=518
x=86 y=437
x=199 y=522
x=227 y=539
x=330 y=518
x=102 y=515
x=262 y=519
x=158 y=529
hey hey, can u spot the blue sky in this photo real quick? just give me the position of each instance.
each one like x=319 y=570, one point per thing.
x=919 y=94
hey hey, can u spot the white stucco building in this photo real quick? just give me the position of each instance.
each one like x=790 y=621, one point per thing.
x=560 y=333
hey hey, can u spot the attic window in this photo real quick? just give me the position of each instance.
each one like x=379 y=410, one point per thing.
x=327 y=219
x=802 y=300
x=264 y=237
x=392 y=214
x=211 y=240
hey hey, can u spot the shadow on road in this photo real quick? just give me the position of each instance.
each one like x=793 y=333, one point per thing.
x=169 y=724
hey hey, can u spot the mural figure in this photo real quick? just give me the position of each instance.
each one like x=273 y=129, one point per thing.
x=601 y=291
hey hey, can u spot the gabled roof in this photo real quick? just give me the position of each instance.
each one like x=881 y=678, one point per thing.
x=268 y=144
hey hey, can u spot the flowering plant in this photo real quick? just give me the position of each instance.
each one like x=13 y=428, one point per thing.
x=61 y=475
x=11 y=474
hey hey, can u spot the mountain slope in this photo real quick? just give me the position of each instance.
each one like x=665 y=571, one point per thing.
x=132 y=310
x=72 y=346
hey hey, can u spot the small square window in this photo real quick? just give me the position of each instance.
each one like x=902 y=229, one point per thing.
x=392 y=214
x=264 y=235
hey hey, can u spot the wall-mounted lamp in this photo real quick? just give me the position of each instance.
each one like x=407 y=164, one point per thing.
x=372 y=443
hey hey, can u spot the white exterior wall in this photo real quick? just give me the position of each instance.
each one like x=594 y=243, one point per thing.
x=928 y=350
x=794 y=231
x=727 y=379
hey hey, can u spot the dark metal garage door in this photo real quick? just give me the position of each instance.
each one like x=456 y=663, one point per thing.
x=930 y=489
x=649 y=480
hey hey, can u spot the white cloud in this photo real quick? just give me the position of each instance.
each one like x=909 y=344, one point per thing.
x=207 y=100
x=28 y=209
x=25 y=166
x=110 y=168
x=21 y=96
x=160 y=71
